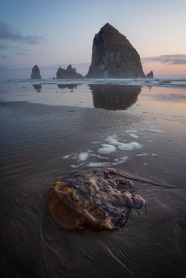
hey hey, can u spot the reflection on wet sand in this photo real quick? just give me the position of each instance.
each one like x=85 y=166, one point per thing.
x=114 y=97
x=37 y=87
x=68 y=86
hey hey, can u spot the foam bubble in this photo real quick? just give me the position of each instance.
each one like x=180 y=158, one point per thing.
x=74 y=166
x=133 y=135
x=121 y=161
x=107 y=149
x=142 y=154
x=154 y=131
x=131 y=131
x=123 y=146
x=129 y=146
x=99 y=164
x=66 y=156
x=83 y=156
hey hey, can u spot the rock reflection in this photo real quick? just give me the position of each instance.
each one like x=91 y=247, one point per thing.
x=67 y=86
x=37 y=87
x=114 y=97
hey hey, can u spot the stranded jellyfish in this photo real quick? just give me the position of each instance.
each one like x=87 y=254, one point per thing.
x=96 y=200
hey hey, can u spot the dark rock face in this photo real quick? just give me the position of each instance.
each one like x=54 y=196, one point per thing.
x=114 y=56
x=150 y=74
x=69 y=73
x=35 y=73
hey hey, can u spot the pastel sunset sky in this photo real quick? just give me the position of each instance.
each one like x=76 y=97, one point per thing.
x=53 y=33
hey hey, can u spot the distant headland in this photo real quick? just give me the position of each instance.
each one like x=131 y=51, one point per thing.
x=113 y=56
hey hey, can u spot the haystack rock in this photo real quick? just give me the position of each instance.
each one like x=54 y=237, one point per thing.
x=113 y=56
x=35 y=73
x=69 y=73
x=150 y=74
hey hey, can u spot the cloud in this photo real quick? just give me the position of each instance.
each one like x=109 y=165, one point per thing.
x=3 y=56
x=175 y=59
x=3 y=46
x=7 y=34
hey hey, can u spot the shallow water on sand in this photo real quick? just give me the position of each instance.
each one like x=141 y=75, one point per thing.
x=140 y=130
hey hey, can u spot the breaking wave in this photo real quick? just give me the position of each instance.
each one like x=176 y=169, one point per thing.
x=146 y=82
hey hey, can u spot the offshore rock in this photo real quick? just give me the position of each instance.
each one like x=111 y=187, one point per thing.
x=150 y=74
x=35 y=73
x=69 y=73
x=113 y=56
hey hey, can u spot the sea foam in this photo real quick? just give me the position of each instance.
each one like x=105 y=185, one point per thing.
x=83 y=156
x=123 y=146
x=107 y=149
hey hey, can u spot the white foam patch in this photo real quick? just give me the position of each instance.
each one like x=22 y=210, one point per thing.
x=122 y=160
x=99 y=156
x=142 y=154
x=131 y=131
x=133 y=135
x=123 y=146
x=66 y=156
x=129 y=146
x=72 y=156
x=112 y=140
x=154 y=131
x=107 y=149
x=83 y=156
x=74 y=166
x=99 y=164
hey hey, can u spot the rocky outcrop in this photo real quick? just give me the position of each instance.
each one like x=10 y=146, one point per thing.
x=35 y=73
x=114 y=56
x=69 y=73
x=150 y=74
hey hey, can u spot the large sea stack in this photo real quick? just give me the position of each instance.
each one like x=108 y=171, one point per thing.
x=35 y=73
x=69 y=73
x=113 y=56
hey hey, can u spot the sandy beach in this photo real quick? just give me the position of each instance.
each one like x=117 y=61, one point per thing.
x=41 y=143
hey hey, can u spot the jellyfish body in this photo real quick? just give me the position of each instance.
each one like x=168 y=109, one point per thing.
x=96 y=200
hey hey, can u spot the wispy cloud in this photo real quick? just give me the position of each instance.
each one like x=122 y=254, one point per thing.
x=175 y=59
x=8 y=34
x=3 y=56
x=3 y=46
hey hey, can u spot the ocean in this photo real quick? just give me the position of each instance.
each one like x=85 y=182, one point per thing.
x=52 y=128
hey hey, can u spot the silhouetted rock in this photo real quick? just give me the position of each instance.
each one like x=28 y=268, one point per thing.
x=114 y=56
x=35 y=73
x=150 y=74
x=69 y=73
x=114 y=97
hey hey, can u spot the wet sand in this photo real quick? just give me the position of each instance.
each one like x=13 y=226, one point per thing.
x=40 y=144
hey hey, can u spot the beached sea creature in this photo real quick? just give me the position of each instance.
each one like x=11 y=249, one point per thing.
x=96 y=200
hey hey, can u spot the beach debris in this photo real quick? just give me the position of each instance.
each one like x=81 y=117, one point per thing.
x=96 y=199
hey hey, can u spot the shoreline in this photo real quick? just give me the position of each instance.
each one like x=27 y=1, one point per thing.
x=33 y=144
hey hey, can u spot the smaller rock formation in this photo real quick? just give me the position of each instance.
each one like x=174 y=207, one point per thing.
x=69 y=73
x=35 y=73
x=150 y=74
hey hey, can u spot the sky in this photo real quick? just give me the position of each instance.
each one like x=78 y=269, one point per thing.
x=53 y=33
